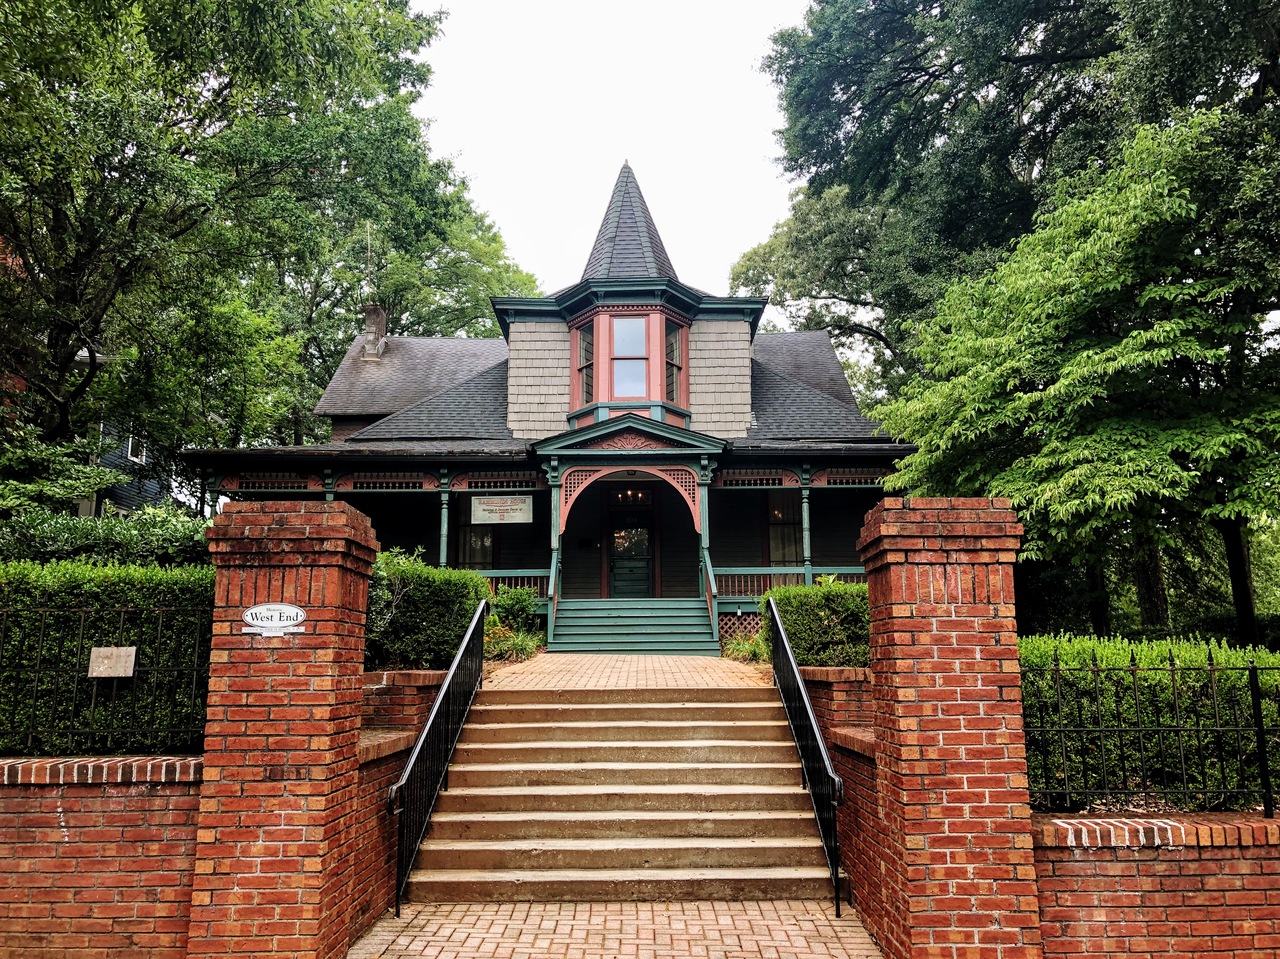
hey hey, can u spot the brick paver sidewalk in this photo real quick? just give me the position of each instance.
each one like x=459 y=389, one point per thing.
x=618 y=930
x=604 y=671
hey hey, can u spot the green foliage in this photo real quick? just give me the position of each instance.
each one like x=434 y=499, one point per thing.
x=753 y=649
x=516 y=607
x=418 y=614
x=152 y=536
x=827 y=624
x=56 y=612
x=36 y=476
x=1137 y=731
x=512 y=646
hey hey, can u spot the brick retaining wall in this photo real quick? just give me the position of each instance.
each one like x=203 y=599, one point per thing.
x=97 y=856
x=1188 y=885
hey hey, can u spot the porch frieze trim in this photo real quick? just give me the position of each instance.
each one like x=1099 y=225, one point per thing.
x=684 y=479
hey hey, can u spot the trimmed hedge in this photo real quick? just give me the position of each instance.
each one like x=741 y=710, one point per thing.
x=1171 y=728
x=163 y=537
x=418 y=613
x=52 y=615
x=827 y=624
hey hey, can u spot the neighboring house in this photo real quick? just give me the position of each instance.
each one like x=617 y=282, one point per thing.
x=629 y=437
x=127 y=454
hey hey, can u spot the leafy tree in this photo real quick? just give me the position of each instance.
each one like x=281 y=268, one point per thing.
x=1115 y=374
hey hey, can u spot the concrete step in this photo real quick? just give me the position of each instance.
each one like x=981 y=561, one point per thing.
x=479 y=775
x=625 y=798
x=628 y=752
x=619 y=885
x=642 y=696
x=621 y=824
x=622 y=731
x=648 y=852
x=626 y=712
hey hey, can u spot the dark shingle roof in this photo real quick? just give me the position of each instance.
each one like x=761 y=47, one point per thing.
x=411 y=368
x=628 y=244
x=786 y=414
x=806 y=357
x=475 y=409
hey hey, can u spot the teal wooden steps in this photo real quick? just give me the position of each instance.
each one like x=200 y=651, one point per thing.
x=671 y=627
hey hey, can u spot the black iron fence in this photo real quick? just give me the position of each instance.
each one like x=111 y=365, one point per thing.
x=103 y=681
x=1198 y=738
x=413 y=796
x=825 y=787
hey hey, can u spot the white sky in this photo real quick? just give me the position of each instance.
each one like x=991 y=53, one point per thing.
x=539 y=103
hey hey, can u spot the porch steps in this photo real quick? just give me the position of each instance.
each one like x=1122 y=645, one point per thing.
x=575 y=795
x=672 y=627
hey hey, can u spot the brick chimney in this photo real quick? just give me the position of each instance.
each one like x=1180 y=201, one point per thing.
x=375 y=331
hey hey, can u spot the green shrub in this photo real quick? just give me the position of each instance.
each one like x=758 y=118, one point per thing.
x=160 y=536
x=828 y=624
x=52 y=615
x=418 y=613
x=516 y=607
x=511 y=646
x=754 y=649
x=1184 y=734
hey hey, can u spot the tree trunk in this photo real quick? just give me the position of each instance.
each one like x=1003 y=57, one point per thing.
x=1095 y=578
x=1148 y=577
x=1235 y=537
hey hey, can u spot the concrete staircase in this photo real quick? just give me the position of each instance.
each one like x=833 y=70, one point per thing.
x=673 y=627
x=623 y=794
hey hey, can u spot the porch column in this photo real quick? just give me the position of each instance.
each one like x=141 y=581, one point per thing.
x=804 y=530
x=444 y=521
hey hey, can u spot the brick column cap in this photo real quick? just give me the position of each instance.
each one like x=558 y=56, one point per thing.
x=940 y=529
x=273 y=533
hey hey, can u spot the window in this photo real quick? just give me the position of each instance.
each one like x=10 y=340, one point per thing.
x=675 y=363
x=630 y=357
x=786 y=536
x=135 y=450
x=586 y=365
x=475 y=543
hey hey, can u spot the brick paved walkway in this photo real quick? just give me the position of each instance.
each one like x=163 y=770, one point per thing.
x=619 y=930
x=603 y=671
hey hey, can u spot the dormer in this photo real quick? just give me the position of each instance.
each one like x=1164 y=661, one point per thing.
x=629 y=337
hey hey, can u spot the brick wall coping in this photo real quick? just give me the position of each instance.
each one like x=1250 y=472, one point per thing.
x=377 y=743
x=405 y=677
x=836 y=674
x=1186 y=829
x=97 y=769
x=858 y=739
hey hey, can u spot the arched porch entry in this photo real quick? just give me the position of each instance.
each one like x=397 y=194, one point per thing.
x=630 y=531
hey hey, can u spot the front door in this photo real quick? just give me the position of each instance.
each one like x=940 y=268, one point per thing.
x=631 y=556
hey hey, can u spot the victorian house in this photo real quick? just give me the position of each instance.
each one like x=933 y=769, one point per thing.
x=631 y=447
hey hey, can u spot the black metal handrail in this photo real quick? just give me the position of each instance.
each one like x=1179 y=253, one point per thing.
x=825 y=788
x=413 y=796
x=1198 y=738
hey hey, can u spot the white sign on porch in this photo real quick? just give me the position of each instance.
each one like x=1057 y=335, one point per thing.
x=501 y=509
x=274 y=619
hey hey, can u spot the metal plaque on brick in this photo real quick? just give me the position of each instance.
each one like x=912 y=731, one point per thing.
x=274 y=619
x=112 y=662
x=501 y=509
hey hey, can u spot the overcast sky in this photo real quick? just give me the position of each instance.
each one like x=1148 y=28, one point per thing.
x=539 y=103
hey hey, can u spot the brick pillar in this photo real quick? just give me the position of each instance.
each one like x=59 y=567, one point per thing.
x=951 y=774
x=281 y=736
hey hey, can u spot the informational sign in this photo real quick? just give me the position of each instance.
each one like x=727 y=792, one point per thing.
x=274 y=619
x=501 y=509
x=112 y=662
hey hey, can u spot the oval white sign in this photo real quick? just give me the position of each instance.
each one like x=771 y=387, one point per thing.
x=276 y=618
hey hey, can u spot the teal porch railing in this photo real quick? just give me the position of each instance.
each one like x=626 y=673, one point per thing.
x=538 y=580
x=741 y=583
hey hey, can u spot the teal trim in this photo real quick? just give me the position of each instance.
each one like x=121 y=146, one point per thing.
x=553 y=595
x=680 y=442
x=710 y=591
x=444 y=527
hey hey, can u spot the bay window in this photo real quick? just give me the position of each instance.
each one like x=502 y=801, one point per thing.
x=630 y=359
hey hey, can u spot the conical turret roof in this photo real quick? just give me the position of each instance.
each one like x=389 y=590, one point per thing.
x=628 y=245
